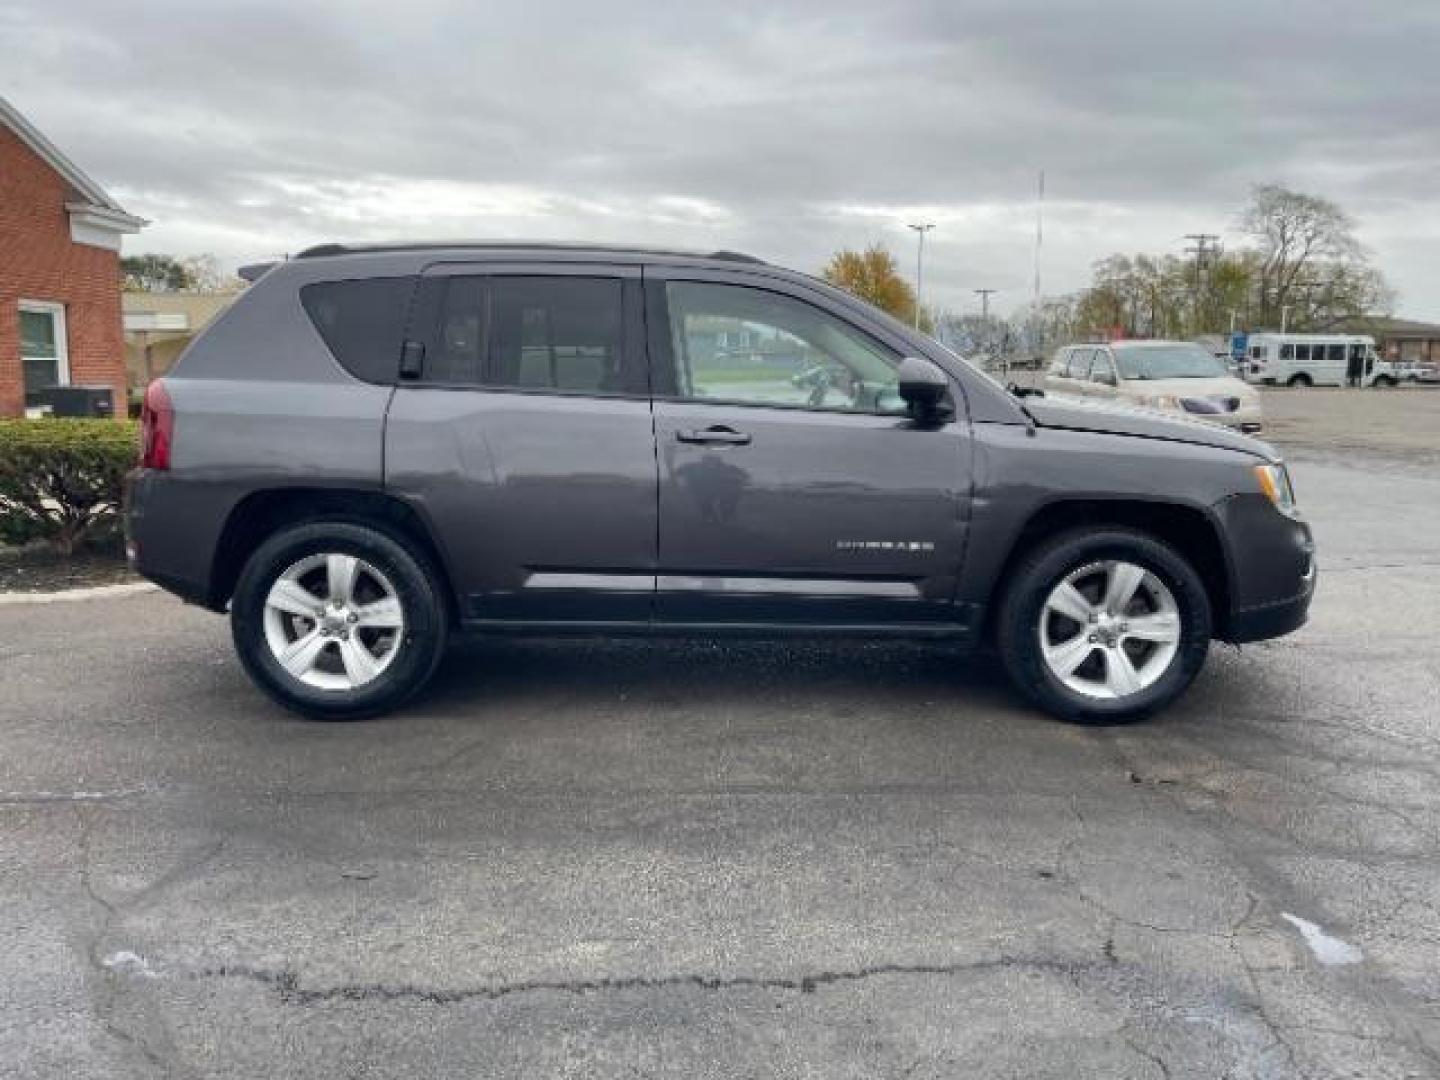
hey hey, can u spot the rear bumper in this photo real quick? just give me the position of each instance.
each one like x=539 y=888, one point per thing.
x=165 y=540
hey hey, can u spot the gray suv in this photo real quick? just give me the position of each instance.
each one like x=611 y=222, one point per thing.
x=379 y=445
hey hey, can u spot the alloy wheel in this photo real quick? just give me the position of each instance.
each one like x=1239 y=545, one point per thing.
x=1109 y=630
x=333 y=621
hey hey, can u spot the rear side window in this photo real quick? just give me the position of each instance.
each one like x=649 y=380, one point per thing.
x=362 y=321
x=562 y=333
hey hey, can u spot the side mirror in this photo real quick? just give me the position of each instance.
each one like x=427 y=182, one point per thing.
x=925 y=389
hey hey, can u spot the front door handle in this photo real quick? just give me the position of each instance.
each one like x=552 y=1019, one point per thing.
x=717 y=434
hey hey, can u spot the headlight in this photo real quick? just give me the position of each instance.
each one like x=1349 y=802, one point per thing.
x=1161 y=401
x=1275 y=483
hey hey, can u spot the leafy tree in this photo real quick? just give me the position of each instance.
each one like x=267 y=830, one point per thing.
x=154 y=273
x=874 y=275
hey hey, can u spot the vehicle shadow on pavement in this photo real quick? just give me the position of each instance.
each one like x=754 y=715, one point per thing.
x=674 y=672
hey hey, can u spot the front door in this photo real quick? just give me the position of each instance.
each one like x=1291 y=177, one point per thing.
x=794 y=487
x=526 y=441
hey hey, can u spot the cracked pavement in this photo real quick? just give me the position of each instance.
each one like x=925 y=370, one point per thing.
x=700 y=859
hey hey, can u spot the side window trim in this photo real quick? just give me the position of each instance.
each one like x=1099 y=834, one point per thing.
x=664 y=363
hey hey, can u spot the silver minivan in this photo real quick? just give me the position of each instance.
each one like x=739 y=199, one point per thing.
x=1172 y=376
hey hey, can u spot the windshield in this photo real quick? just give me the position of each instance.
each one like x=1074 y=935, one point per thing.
x=1168 y=362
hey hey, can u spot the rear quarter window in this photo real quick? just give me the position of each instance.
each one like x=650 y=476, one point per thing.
x=362 y=322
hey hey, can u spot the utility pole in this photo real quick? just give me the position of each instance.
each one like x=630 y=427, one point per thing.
x=1206 y=244
x=985 y=295
x=1284 y=316
x=921 y=228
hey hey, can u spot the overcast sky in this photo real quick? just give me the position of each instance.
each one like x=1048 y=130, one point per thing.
x=786 y=129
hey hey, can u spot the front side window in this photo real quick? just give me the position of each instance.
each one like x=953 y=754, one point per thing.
x=750 y=346
x=1101 y=370
x=561 y=333
x=42 y=350
x=1287 y=352
x=1080 y=363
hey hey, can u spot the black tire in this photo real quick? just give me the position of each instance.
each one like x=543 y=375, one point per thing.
x=1296 y=382
x=1018 y=626
x=1383 y=382
x=419 y=646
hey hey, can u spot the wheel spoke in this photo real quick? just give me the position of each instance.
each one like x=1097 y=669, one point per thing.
x=1065 y=657
x=294 y=599
x=381 y=615
x=1122 y=583
x=299 y=656
x=360 y=665
x=1070 y=602
x=340 y=571
x=1121 y=678
x=1163 y=627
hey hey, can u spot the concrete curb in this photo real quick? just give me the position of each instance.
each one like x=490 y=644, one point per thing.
x=61 y=596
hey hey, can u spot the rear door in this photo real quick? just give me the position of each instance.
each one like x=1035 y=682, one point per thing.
x=525 y=439
x=794 y=488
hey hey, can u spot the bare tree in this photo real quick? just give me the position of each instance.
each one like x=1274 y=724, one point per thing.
x=1303 y=241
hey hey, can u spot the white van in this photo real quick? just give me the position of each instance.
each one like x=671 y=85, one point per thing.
x=1315 y=360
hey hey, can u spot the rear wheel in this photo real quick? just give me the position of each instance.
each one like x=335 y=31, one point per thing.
x=1297 y=381
x=1104 y=626
x=1383 y=382
x=337 y=620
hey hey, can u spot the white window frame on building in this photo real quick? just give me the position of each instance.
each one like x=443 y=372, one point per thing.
x=62 y=343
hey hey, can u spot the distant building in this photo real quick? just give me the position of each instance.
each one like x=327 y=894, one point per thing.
x=59 y=272
x=1401 y=339
x=158 y=326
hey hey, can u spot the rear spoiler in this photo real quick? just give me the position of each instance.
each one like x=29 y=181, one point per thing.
x=255 y=271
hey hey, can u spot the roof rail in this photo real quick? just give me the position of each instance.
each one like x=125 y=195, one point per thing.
x=322 y=250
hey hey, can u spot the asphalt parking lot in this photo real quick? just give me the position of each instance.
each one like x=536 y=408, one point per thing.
x=694 y=859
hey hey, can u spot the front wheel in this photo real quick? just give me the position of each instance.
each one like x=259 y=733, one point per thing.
x=337 y=620
x=1104 y=626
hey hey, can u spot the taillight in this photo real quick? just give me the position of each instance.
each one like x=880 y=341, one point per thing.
x=157 y=427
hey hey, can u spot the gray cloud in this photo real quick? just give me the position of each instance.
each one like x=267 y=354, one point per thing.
x=256 y=127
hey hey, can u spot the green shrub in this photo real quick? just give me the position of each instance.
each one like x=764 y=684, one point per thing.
x=62 y=481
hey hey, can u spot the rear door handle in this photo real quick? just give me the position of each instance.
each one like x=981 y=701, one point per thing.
x=725 y=435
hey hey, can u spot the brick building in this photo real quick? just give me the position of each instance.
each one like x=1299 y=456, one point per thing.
x=59 y=272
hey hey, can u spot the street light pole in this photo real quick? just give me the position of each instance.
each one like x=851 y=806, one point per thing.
x=921 y=228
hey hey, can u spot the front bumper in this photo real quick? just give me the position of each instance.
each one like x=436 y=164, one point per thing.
x=1273 y=572
x=1271 y=620
x=1248 y=419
